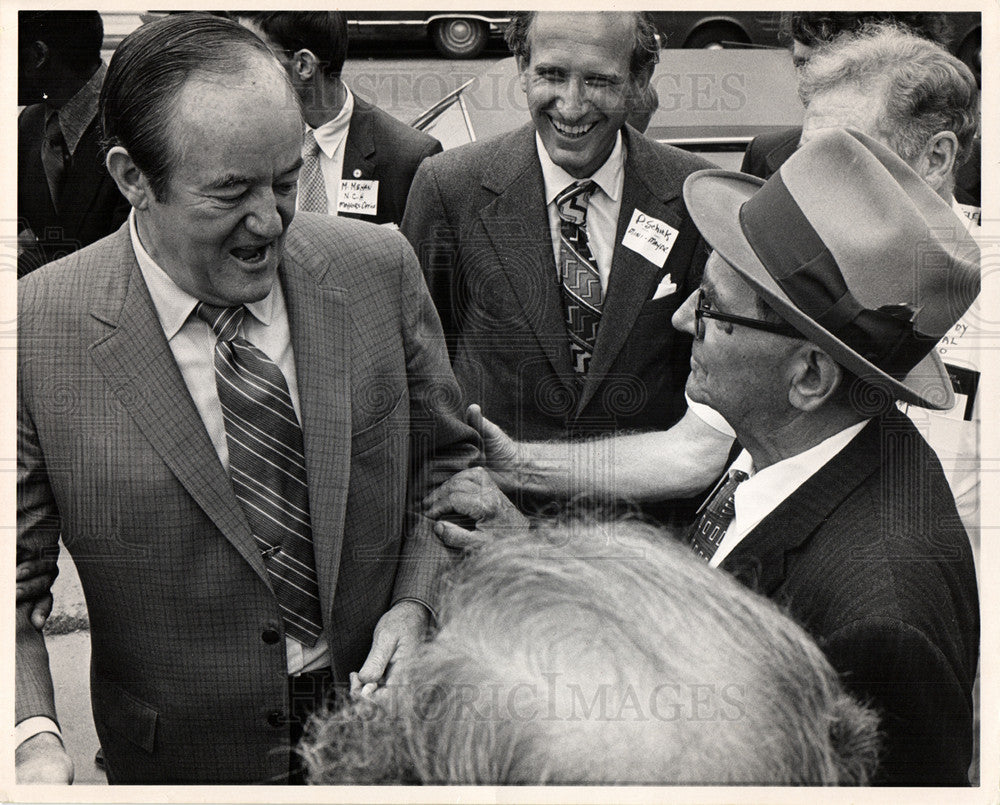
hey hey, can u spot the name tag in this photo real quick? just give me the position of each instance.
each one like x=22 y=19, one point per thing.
x=358 y=196
x=650 y=237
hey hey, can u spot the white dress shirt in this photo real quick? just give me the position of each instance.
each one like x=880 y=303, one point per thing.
x=332 y=139
x=764 y=491
x=192 y=343
x=602 y=211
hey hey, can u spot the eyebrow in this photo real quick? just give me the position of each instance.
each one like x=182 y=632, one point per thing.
x=230 y=180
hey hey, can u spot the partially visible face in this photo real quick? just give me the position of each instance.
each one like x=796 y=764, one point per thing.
x=219 y=229
x=736 y=370
x=578 y=85
x=29 y=76
x=800 y=53
x=843 y=107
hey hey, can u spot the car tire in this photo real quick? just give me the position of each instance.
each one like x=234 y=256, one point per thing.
x=712 y=36
x=459 y=37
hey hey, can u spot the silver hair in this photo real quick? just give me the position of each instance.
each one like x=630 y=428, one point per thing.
x=923 y=89
x=603 y=653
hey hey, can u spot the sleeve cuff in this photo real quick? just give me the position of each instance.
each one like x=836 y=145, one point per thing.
x=33 y=726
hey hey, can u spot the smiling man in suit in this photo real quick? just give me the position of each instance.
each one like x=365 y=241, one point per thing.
x=360 y=160
x=65 y=197
x=556 y=253
x=250 y=416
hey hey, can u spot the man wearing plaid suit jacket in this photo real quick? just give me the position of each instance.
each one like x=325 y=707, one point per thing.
x=123 y=451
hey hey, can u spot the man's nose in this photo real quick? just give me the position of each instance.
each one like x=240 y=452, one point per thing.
x=683 y=318
x=573 y=99
x=269 y=216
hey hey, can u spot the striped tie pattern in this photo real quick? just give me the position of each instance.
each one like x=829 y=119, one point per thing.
x=312 y=188
x=717 y=514
x=267 y=468
x=581 y=280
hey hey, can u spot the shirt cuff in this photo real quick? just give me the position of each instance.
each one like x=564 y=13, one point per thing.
x=33 y=726
x=710 y=417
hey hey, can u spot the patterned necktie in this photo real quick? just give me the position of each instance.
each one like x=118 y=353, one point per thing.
x=581 y=281
x=267 y=468
x=718 y=513
x=55 y=155
x=312 y=188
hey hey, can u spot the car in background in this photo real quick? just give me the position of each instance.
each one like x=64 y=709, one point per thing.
x=717 y=29
x=455 y=34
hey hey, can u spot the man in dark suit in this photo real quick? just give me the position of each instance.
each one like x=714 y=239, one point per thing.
x=550 y=342
x=366 y=157
x=836 y=508
x=251 y=415
x=65 y=197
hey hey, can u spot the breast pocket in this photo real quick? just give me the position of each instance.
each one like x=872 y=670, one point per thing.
x=386 y=411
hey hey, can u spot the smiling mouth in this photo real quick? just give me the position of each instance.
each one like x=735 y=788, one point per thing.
x=572 y=132
x=253 y=255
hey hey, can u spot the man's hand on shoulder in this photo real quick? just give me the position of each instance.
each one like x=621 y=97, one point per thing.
x=42 y=758
x=397 y=633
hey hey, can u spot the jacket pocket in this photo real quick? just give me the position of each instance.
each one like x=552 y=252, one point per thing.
x=377 y=432
x=125 y=715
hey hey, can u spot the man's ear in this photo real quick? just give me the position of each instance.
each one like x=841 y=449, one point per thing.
x=815 y=378
x=131 y=181
x=522 y=72
x=40 y=55
x=937 y=162
x=305 y=64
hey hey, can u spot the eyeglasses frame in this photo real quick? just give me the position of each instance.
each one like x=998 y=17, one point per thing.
x=701 y=313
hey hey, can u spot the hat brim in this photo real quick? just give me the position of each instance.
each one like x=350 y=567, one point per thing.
x=713 y=199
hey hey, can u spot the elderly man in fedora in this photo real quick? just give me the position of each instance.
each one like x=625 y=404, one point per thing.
x=820 y=306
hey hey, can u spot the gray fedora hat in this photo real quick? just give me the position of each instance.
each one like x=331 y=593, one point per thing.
x=854 y=250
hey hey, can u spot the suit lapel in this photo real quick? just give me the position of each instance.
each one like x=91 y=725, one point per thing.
x=83 y=180
x=319 y=320
x=648 y=189
x=777 y=156
x=138 y=365
x=759 y=559
x=517 y=225
x=359 y=147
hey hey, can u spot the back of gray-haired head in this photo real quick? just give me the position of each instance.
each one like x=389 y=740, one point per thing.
x=150 y=67
x=923 y=89
x=593 y=653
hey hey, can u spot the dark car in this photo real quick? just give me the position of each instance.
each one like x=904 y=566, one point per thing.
x=717 y=29
x=455 y=34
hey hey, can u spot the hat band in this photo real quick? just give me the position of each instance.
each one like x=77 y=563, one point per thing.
x=800 y=263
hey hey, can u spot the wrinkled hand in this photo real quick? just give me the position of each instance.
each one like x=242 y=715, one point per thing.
x=34 y=582
x=43 y=759
x=397 y=633
x=473 y=493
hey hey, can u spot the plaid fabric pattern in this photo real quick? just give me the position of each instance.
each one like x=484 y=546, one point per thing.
x=581 y=281
x=312 y=188
x=267 y=467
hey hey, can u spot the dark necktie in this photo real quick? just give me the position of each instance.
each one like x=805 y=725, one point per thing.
x=267 y=468
x=55 y=156
x=716 y=515
x=312 y=187
x=581 y=280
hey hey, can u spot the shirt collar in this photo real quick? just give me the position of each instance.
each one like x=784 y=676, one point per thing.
x=764 y=490
x=173 y=304
x=331 y=134
x=968 y=214
x=610 y=177
x=79 y=111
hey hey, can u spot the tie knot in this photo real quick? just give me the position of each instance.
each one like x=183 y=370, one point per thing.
x=224 y=321
x=310 y=147
x=572 y=201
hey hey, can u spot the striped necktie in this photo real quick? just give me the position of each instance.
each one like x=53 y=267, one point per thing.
x=312 y=187
x=716 y=515
x=581 y=281
x=267 y=468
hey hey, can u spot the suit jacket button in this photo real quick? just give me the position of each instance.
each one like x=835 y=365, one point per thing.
x=276 y=718
x=270 y=636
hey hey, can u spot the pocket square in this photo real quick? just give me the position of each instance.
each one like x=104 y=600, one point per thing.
x=665 y=288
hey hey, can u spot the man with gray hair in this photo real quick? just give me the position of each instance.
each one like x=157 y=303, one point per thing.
x=602 y=654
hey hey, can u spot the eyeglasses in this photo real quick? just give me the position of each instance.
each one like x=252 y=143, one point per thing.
x=703 y=310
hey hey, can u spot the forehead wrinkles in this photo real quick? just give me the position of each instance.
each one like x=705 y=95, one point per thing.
x=573 y=35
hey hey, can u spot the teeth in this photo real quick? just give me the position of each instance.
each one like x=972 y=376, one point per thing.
x=572 y=131
x=249 y=255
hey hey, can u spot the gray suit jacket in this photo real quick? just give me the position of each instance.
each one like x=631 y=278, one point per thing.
x=477 y=220
x=113 y=456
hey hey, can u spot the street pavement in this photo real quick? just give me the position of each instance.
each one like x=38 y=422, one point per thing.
x=69 y=659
